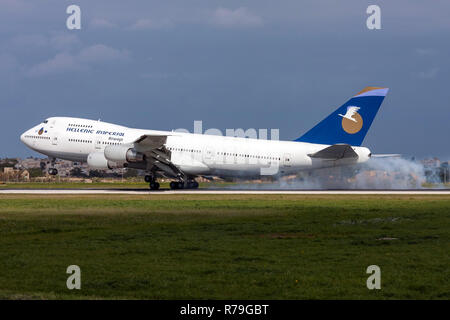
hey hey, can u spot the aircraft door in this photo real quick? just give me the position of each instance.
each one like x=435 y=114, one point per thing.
x=208 y=155
x=287 y=159
x=54 y=138
x=98 y=143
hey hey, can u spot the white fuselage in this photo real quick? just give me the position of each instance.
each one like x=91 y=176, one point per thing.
x=195 y=154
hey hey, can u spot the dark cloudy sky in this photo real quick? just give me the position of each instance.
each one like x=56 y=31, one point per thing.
x=232 y=64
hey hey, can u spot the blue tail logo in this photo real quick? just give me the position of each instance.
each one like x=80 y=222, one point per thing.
x=350 y=122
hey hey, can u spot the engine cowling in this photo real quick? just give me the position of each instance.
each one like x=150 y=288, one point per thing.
x=123 y=154
x=97 y=160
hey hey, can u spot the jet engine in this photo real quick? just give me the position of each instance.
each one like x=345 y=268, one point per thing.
x=123 y=154
x=97 y=160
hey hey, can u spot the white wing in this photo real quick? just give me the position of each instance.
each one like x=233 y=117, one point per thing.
x=157 y=156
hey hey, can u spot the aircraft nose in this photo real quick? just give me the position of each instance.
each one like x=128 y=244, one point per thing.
x=22 y=137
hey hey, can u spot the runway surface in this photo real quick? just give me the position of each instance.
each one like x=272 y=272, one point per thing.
x=224 y=191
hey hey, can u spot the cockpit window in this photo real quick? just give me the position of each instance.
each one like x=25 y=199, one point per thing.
x=46 y=121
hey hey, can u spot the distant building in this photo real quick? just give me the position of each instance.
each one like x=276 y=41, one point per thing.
x=12 y=174
x=434 y=162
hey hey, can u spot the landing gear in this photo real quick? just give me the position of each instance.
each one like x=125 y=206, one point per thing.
x=174 y=185
x=154 y=185
x=52 y=171
x=191 y=184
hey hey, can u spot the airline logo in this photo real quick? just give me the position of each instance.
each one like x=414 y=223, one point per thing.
x=352 y=121
x=91 y=131
x=41 y=131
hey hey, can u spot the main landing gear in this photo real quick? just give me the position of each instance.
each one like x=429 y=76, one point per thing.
x=191 y=184
x=154 y=185
x=53 y=171
x=174 y=185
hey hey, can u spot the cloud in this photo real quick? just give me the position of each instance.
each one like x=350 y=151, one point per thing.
x=7 y=63
x=102 y=24
x=235 y=18
x=61 y=42
x=13 y=5
x=65 y=41
x=102 y=53
x=145 y=24
x=157 y=75
x=428 y=74
x=425 y=52
x=84 y=60
x=33 y=40
x=62 y=62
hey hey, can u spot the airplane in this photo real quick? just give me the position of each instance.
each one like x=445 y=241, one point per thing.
x=183 y=157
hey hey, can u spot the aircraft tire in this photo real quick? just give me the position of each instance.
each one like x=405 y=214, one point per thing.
x=154 y=186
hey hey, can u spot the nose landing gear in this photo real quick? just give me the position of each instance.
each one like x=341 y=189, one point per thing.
x=53 y=171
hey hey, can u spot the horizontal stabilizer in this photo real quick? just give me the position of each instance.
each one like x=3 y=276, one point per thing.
x=394 y=155
x=335 y=152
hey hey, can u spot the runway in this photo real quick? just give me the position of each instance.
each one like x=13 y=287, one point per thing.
x=223 y=191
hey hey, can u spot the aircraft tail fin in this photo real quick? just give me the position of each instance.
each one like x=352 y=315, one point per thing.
x=350 y=122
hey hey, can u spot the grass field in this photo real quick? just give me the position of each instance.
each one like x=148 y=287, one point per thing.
x=224 y=246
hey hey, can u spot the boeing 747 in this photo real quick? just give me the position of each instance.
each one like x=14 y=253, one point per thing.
x=335 y=141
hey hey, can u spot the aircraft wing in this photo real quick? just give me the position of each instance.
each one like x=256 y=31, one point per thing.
x=151 y=141
x=157 y=155
x=335 y=152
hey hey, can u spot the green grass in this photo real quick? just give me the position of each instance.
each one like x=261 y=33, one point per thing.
x=224 y=246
